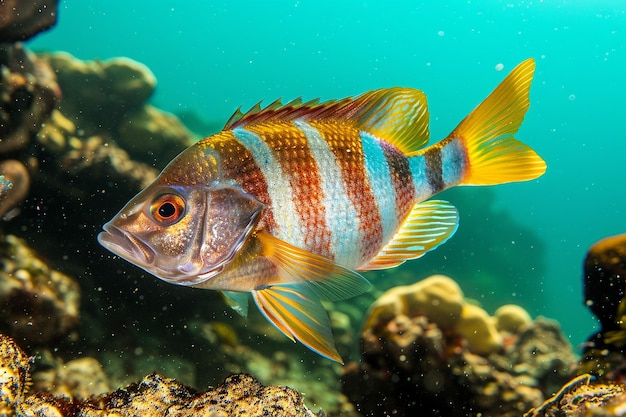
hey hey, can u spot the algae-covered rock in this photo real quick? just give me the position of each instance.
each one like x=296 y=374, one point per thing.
x=37 y=303
x=239 y=395
x=101 y=92
x=604 y=280
x=149 y=133
x=28 y=93
x=21 y=20
x=14 y=367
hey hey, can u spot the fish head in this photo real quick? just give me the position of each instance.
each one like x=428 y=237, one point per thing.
x=183 y=233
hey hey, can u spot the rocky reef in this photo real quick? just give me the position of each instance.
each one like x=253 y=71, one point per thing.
x=424 y=347
x=239 y=395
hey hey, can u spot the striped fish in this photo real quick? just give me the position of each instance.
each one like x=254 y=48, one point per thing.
x=288 y=201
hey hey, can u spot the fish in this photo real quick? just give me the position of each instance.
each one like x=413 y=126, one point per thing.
x=291 y=202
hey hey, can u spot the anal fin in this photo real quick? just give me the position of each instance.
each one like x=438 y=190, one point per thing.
x=428 y=225
x=296 y=311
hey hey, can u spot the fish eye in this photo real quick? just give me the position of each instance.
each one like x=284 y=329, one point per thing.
x=167 y=209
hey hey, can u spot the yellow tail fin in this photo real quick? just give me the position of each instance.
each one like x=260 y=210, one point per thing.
x=494 y=155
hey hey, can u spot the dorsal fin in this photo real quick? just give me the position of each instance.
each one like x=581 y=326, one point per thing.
x=397 y=115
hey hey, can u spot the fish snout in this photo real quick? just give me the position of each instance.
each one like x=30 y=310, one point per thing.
x=125 y=245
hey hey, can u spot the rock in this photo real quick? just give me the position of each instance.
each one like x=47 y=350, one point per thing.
x=240 y=394
x=581 y=397
x=21 y=20
x=37 y=304
x=14 y=367
x=80 y=378
x=28 y=93
x=15 y=172
x=150 y=134
x=604 y=280
x=56 y=131
x=100 y=93
x=109 y=98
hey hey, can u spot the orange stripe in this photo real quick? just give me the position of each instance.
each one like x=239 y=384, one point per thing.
x=238 y=164
x=290 y=147
x=345 y=143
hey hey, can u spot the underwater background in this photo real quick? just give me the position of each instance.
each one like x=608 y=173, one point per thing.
x=211 y=57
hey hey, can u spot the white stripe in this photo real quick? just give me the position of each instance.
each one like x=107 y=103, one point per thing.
x=279 y=189
x=417 y=165
x=381 y=184
x=341 y=215
x=452 y=163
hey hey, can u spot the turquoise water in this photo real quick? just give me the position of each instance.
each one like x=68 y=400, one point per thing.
x=211 y=58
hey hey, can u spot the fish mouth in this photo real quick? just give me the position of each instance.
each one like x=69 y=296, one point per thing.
x=126 y=245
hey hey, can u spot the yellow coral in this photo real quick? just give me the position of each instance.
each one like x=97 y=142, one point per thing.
x=478 y=329
x=510 y=318
x=438 y=297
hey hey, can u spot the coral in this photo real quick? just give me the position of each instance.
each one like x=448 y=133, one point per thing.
x=21 y=20
x=411 y=363
x=37 y=304
x=240 y=395
x=14 y=367
x=441 y=300
x=477 y=328
x=438 y=297
x=511 y=318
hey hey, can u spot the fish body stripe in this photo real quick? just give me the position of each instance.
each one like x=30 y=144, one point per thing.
x=342 y=217
x=401 y=179
x=288 y=223
x=433 y=170
x=381 y=183
x=453 y=162
x=345 y=143
x=292 y=151
x=417 y=165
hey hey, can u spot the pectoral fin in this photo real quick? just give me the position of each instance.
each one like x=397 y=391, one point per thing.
x=331 y=281
x=296 y=311
x=428 y=225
